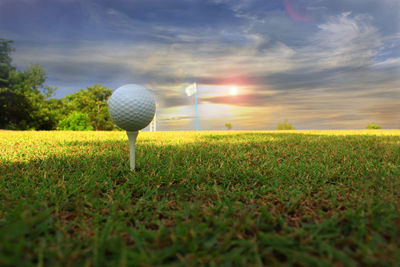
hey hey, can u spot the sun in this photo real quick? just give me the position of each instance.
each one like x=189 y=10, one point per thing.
x=233 y=90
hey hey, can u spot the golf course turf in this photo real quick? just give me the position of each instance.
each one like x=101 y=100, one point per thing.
x=305 y=198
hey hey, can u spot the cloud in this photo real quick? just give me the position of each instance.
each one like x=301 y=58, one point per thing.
x=343 y=41
x=337 y=64
x=386 y=115
x=390 y=63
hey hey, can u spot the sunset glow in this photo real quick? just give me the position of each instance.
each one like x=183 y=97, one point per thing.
x=233 y=90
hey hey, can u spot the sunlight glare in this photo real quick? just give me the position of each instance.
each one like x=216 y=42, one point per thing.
x=233 y=90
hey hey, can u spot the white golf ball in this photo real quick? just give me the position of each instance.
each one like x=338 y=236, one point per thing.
x=132 y=107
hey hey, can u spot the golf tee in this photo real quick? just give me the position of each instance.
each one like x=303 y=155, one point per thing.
x=132 y=135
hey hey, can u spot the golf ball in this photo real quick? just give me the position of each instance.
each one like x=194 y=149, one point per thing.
x=132 y=107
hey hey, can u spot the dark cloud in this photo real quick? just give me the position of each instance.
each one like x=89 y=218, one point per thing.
x=168 y=101
x=246 y=100
x=306 y=80
x=186 y=14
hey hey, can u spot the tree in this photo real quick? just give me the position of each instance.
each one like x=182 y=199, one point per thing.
x=58 y=109
x=5 y=62
x=92 y=101
x=29 y=83
x=77 y=121
x=285 y=125
x=23 y=95
x=228 y=125
x=15 y=110
x=373 y=126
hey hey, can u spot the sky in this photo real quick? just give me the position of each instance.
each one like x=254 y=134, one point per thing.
x=321 y=64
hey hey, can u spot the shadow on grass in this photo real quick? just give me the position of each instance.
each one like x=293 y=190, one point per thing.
x=269 y=198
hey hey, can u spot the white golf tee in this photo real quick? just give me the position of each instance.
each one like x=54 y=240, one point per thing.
x=132 y=135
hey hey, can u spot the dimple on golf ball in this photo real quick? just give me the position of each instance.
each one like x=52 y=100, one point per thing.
x=132 y=107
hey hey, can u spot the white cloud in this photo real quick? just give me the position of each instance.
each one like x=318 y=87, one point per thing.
x=388 y=63
x=343 y=41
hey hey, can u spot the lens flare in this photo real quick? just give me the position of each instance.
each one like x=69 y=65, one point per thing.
x=293 y=13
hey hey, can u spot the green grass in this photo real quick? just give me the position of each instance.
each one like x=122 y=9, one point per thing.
x=305 y=198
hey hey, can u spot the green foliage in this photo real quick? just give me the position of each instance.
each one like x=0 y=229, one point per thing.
x=15 y=110
x=373 y=126
x=228 y=125
x=69 y=198
x=29 y=83
x=285 y=125
x=58 y=109
x=92 y=101
x=77 y=121
x=5 y=62
x=23 y=95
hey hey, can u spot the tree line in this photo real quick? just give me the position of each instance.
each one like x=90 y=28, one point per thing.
x=26 y=103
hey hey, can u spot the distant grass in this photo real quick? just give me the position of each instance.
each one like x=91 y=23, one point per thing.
x=311 y=198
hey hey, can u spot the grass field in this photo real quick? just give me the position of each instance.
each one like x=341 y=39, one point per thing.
x=313 y=198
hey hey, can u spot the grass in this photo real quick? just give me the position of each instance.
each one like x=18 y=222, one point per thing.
x=305 y=198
